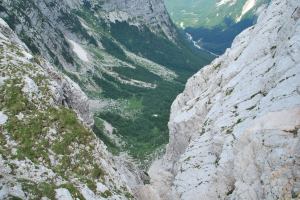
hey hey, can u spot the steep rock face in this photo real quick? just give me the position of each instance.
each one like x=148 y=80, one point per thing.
x=46 y=152
x=68 y=93
x=150 y=12
x=234 y=131
x=40 y=25
x=65 y=91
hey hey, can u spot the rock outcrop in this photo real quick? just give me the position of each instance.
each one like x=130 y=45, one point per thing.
x=234 y=131
x=150 y=12
x=68 y=93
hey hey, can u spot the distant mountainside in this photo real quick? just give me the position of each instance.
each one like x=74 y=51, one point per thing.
x=214 y=24
x=211 y=13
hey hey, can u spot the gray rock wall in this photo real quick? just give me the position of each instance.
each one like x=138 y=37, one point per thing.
x=234 y=131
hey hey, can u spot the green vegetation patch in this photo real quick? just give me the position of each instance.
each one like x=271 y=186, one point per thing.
x=47 y=189
x=139 y=73
x=73 y=190
x=141 y=41
x=39 y=190
x=72 y=130
x=14 y=100
x=31 y=133
x=147 y=130
x=112 y=48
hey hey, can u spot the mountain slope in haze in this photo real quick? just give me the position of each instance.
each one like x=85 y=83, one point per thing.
x=209 y=14
x=126 y=56
x=234 y=131
x=214 y=24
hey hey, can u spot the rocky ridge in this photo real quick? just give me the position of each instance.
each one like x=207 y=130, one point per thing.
x=47 y=149
x=234 y=131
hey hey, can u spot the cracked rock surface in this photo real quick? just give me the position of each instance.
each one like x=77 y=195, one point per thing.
x=234 y=131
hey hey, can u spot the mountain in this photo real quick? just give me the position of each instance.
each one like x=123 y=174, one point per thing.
x=214 y=24
x=234 y=131
x=127 y=56
x=85 y=93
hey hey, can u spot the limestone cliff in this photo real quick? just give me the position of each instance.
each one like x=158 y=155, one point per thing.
x=150 y=12
x=234 y=131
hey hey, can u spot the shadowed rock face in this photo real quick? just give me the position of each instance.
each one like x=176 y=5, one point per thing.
x=234 y=131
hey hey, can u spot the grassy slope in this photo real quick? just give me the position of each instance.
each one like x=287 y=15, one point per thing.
x=31 y=133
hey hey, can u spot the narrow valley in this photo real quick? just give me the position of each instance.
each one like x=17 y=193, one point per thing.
x=149 y=99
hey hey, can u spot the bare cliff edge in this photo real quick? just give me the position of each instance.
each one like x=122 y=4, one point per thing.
x=234 y=131
x=47 y=150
